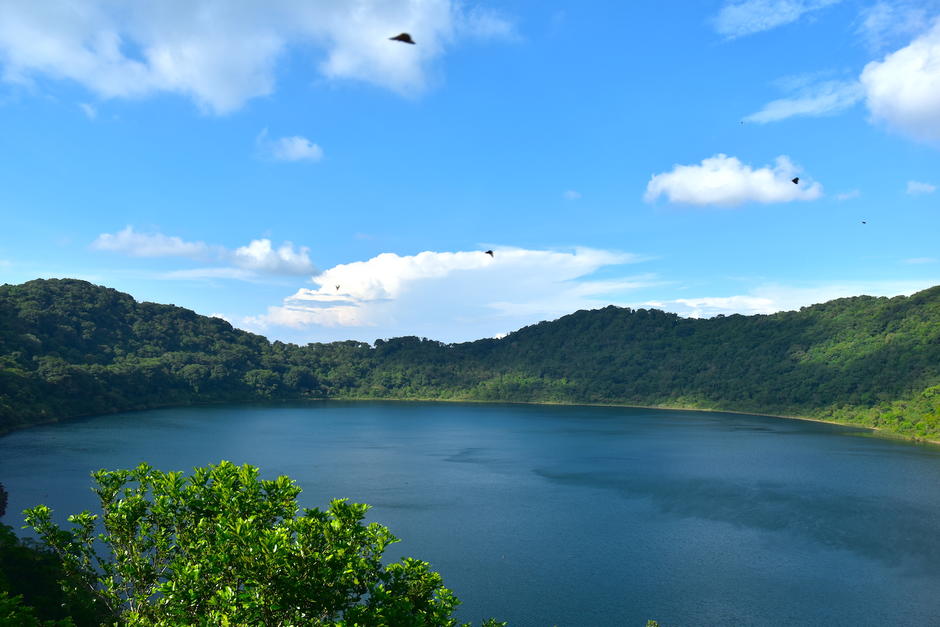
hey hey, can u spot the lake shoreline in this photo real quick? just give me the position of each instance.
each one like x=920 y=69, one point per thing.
x=876 y=431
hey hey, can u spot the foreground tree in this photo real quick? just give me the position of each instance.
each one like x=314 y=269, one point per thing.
x=223 y=547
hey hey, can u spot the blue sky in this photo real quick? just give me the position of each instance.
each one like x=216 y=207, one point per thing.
x=244 y=162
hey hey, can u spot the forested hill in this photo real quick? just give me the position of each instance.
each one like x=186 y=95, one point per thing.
x=70 y=348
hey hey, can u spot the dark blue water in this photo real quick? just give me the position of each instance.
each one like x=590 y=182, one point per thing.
x=545 y=515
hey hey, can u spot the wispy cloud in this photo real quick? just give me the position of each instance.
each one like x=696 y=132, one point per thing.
x=725 y=181
x=820 y=99
x=916 y=188
x=571 y=194
x=130 y=242
x=475 y=21
x=257 y=258
x=90 y=112
x=902 y=90
x=199 y=274
x=774 y=297
x=921 y=260
x=885 y=24
x=223 y=54
x=848 y=195
x=451 y=295
x=746 y=17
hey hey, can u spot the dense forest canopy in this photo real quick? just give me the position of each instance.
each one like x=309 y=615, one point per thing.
x=70 y=348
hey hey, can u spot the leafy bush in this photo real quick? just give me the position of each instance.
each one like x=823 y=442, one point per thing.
x=224 y=547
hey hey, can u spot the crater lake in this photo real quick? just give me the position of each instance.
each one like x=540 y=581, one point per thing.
x=568 y=515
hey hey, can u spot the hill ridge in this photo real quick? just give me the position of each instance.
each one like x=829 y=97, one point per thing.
x=70 y=348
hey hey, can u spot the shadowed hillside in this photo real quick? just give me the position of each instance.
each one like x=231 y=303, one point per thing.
x=70 y=348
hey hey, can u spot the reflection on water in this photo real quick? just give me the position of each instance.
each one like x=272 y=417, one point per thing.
x=876 y=528
x=571 y=515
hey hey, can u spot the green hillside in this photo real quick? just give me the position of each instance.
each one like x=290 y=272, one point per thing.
x=70 y=348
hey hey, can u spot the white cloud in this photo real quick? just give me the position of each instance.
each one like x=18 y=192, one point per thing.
x=450 y=295
x=713 y=305
x=222 y=54
x=746 y=17
x=903 y=90
x=725 y=181
x=848 y=195
x=916 y=187
x=130 y=242
x=921 y=260
x=885 y=23
x=571 y=195
x=294 y=148
x=820 y=99
x=258 y=258
x=772 y=298
x=297 y=149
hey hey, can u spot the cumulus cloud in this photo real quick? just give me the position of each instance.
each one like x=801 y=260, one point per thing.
x=903 y=89
x=725 y=181
x=450 y=295
x=772 y=298
x=257 y=258
x=261 y=256
x=746 y=17
x=295 y=148
x=915 y=188
x=222 y=54
x=823 y=98
x=130 y=242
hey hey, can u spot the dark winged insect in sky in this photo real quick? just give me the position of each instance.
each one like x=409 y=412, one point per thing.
x=404 y=38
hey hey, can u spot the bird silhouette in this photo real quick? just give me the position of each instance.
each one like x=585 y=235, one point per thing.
x=795 y=181
x=405 y=38
x=864 y=222
x=337 y=288
x=489 y=252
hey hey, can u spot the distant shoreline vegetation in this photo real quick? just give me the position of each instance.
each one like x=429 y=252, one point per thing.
x=69 y=348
